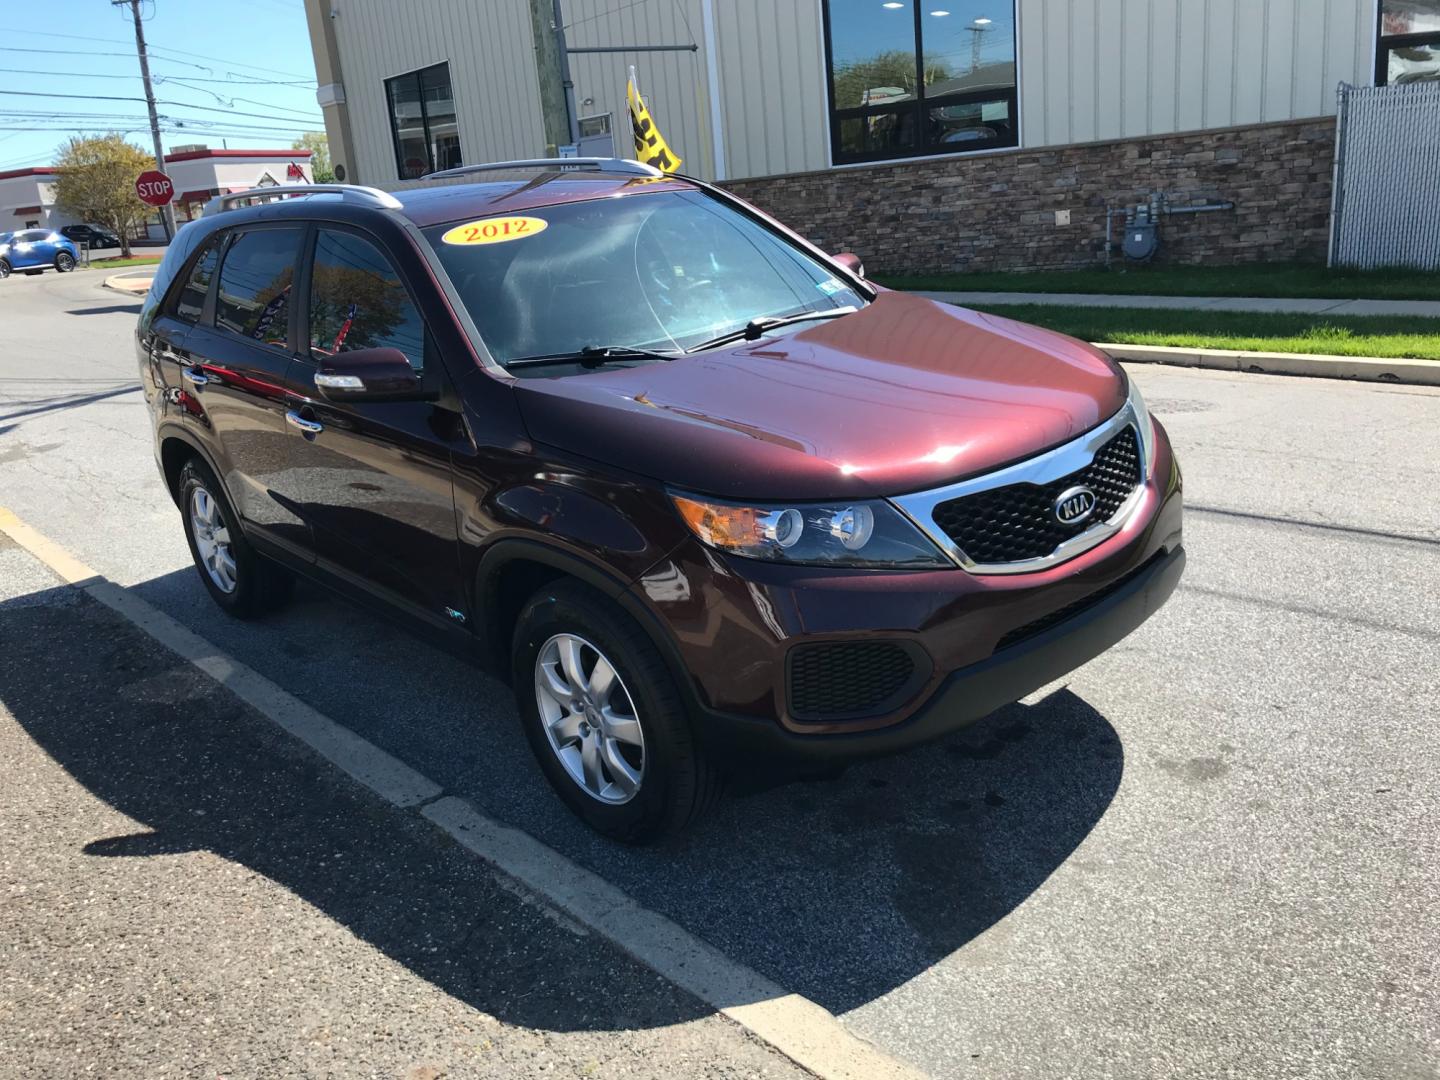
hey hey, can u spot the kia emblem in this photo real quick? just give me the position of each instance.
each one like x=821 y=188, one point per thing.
x=1074 y=505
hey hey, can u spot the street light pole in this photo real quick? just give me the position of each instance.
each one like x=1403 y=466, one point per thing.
x=167 y=212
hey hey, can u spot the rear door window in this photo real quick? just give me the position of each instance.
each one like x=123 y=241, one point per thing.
x=256 y=275
x=357 y=301
x=190 y=302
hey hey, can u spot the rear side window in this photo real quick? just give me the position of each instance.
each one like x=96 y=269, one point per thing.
x=357 y=301
x=191 y=301
x=255 y=279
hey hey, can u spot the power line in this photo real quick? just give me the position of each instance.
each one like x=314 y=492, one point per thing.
x=66 y=74
x=160 y=59
x=158 y=78
x=153 y=49
x=176 y=104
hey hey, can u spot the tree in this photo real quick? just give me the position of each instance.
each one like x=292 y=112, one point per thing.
x=883 y=78
x=95 y=181
x=319 y=146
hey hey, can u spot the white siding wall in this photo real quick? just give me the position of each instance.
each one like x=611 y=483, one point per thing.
x=492 y=69
x=1104 y=69
x=1089 y=70
x=772 y=82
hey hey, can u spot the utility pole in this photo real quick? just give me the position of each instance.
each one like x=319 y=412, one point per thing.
x=167 y=212
x=549 y=72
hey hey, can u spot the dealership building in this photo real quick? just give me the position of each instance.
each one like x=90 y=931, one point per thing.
x=935 y=134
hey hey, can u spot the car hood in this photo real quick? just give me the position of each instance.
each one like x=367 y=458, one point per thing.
x=902 y=395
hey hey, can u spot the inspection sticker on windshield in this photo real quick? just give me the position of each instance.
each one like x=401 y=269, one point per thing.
x=496 y=230
x=830 y=286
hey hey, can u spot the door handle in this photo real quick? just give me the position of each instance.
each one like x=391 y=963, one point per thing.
x=194 y=375
x=310 y=427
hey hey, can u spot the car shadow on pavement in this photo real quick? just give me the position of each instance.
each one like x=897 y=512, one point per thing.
x=196 y=770
x=113 y=309
x=841 y=890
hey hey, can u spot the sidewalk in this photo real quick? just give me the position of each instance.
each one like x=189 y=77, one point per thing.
x=1427 y=308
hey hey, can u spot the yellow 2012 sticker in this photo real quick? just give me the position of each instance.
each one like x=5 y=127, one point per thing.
x=495 y=230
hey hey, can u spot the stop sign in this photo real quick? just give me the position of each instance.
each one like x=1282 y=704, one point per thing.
x=155 y=188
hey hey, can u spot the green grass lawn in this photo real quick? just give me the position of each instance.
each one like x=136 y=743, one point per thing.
x=120 y=264
x=1360 y=335
x=1261 y=279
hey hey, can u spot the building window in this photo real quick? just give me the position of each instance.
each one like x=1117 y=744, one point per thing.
x=1409 y=42
x=915 y=77
x=422 y=120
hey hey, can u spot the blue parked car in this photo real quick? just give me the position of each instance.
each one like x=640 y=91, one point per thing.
x=34 y=250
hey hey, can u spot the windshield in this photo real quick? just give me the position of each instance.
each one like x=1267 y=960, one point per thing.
x=664 y=271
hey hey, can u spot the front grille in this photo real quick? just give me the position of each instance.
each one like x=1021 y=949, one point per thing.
x=848 y=678
x=1038 y=626
x=1017 y=522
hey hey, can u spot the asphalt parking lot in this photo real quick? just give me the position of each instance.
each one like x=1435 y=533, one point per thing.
x=1212 y=852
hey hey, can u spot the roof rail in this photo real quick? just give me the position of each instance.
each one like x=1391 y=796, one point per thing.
x=367 y=196
x=591 y=164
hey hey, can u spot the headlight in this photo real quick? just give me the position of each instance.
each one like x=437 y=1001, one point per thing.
x=1145 y=425
x=865 y=533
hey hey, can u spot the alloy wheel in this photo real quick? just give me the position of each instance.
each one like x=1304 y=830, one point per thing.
x=64 y=263
x=212 y=540
x=590 y=719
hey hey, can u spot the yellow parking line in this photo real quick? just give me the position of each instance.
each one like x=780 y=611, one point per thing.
x=69 y=568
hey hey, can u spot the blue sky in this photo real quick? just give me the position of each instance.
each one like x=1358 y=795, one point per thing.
x=216 y=61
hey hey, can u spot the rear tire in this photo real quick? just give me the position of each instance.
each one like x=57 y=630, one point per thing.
x=677 y=784
x=4 y=269
x=238 y=578
x=64 y=262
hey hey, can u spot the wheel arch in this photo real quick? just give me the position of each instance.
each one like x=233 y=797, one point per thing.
x=513 y=570
x=178 y=446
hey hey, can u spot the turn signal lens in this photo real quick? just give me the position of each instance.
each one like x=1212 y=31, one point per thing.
x=871 y=534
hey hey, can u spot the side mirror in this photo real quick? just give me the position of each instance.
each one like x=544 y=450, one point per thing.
x=850 y=261
x=369 y=375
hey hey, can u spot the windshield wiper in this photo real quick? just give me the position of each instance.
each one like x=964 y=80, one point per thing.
x=756 y=328
x=589 y=356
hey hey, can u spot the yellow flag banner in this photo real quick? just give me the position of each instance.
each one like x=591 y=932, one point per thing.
x=650 y=145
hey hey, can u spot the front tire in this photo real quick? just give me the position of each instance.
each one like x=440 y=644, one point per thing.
x=64 y=262
x=237 y=577
x=605 y=719
x=4 y=269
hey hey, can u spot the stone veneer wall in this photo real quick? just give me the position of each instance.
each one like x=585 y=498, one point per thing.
x=997 y=211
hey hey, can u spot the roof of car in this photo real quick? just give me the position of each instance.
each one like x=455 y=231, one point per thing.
x=446 y=202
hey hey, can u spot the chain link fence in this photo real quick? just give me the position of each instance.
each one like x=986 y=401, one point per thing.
x=1387 y=177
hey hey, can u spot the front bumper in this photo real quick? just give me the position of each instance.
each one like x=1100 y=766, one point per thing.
x=733 y=626
x=969 y=694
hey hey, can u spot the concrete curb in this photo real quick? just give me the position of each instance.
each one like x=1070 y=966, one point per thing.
x=1358 y=368
x=129 y=284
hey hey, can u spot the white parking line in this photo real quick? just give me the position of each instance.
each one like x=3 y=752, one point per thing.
x=803 y=1031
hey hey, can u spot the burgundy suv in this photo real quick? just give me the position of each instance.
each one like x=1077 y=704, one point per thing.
x=705 y=497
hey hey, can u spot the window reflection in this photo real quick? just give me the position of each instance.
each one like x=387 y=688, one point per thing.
x=357 y=301
x=1409 y=45
x=253 y=296
x=933 y=79
x=423 y=122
